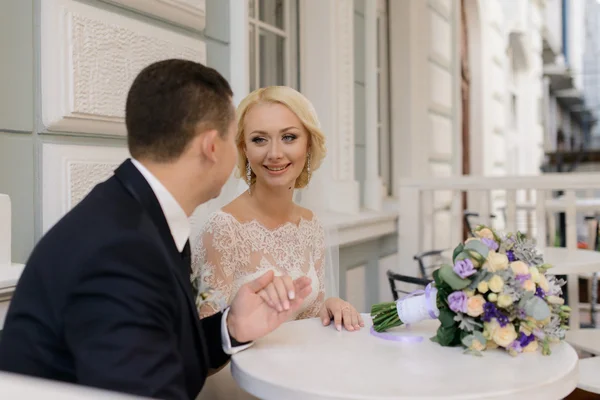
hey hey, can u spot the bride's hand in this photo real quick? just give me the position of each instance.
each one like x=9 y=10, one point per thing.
x=279 y=293
x=342 y=312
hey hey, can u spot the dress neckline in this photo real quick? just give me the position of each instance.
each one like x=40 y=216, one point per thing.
x=254 y=222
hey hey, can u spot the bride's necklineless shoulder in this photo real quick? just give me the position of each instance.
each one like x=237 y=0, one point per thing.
x=254 y=221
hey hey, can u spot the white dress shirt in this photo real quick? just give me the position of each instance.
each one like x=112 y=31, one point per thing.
x=179 y=225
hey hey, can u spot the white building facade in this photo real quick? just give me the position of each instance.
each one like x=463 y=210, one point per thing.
x=403 y=89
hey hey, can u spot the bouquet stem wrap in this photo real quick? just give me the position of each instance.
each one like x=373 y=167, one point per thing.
x=414 y=307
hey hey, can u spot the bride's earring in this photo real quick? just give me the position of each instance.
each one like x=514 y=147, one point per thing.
x=248 y=175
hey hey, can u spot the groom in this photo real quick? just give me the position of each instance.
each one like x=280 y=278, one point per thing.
x=105 y=299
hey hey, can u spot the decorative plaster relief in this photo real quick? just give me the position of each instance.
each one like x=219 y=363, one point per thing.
x=189 y=13
x=70 y=172
x=89 y=58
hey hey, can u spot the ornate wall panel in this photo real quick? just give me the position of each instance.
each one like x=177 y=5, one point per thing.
x=70 y=172
x=89 y=58
x=189 y=13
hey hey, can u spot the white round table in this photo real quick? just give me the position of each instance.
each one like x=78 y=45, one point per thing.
x=302 y=360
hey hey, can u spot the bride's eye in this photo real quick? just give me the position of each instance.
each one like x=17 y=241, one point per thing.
x=289 y=138
x=258 y=140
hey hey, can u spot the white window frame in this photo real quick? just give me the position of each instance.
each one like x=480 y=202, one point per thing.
x=383 y=98
x=290 y=35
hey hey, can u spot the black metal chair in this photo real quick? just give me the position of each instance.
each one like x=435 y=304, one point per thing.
x=394 y=277
x=428 y=262
x=467 y=215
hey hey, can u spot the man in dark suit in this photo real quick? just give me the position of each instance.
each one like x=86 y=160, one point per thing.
x=105 y=299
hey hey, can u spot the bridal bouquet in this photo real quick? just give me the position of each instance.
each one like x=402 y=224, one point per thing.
x=495 y=295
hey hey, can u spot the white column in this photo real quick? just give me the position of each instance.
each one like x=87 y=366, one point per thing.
x=373 y=186
x=327 y=71
x=239 y=77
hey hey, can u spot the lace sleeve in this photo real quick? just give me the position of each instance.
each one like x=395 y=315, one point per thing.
x=318 y=257
x=212 y=266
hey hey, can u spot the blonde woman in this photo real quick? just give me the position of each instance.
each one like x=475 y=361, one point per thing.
x=279 y=146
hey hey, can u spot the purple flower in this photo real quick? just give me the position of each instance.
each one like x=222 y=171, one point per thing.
x=457 y=301
x=515 y=346
x=490 y=311
x=521 y=278
x=502 y=319
x=511 y=255
x=490 y=243
x=539 y=292
x=521 y=314
x=464 y=268
x=524 y=339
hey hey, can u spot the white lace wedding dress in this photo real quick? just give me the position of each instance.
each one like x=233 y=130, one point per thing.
x=229 y=253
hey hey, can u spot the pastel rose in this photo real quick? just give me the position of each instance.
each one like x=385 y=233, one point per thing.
x=519 y=268
x=529 y=286
x=496 y=284
x=483 y=287
x=531 y=347
x=543 y=283
x=496 y=261
x=555 y=300
x=492 y=297
x=485 y=233
x=504 y=300
x=504 y=335
x=469 y=293
x=475 y=305
x=535 y=274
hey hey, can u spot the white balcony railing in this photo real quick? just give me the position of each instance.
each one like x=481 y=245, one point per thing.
x=431 y=211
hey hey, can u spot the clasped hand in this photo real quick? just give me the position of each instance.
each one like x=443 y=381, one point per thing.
x=279 y=292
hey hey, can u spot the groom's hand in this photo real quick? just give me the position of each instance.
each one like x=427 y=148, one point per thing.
x=251 y=317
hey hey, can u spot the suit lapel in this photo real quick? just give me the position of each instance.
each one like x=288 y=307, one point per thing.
x=135 y=183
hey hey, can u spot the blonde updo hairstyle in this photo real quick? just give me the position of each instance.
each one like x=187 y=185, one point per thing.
x=299 y=105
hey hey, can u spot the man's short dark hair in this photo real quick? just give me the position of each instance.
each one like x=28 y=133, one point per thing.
x=167 y=101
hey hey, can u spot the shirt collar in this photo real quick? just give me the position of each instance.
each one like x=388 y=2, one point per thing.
x=177 y=219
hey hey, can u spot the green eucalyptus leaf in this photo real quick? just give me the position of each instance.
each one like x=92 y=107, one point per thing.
x=537 y=308
x=453 y=280
x=479 y=247
x=457 y=251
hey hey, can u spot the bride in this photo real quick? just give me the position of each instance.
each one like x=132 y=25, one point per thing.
x=279 y=146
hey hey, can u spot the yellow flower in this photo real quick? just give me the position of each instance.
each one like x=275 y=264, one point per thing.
x=469 y=293
x=483 y=287
x=504 y=300
x=535 y=274
x=491 y=345
x=531 y=347
x=496 y=284
x=555 y=300
x=529 y=286
x=519 y=268
x=477 y=345
x=475 y=305
x=496 y=261
x=485 y=233
x=543 y=283
x=504 y=335
x=492 y=297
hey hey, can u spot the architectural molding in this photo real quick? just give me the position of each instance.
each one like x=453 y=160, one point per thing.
x=239 y=49
x=89 y=58
x=373 y=185
x=189 y=13
x=327 y=70
x=70 y=172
